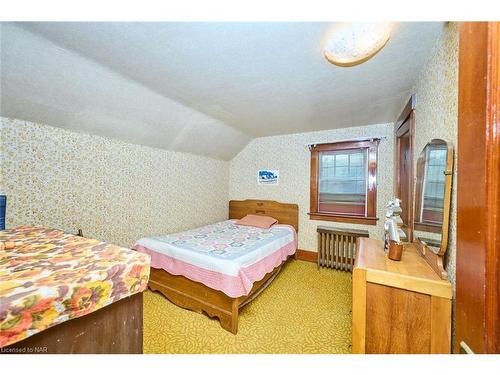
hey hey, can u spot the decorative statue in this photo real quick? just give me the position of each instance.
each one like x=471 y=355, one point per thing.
x=393 y=235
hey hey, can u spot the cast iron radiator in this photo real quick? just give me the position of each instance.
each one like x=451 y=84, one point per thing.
x=337 y=247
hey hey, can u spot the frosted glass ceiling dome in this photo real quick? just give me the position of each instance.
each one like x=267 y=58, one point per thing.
x=350 y=44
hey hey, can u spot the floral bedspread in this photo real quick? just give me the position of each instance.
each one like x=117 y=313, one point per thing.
x=53 y=276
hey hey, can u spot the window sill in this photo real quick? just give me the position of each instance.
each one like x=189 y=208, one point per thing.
x=343 y=218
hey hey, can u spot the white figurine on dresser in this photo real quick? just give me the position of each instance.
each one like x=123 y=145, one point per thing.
x=393 y=213
x=393 y=234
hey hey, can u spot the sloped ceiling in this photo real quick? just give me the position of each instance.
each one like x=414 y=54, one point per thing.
x=204 y=88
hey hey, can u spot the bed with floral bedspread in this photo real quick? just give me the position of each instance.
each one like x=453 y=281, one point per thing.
x=52 y=276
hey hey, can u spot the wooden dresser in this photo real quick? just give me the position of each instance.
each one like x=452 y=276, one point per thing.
x=398 y=306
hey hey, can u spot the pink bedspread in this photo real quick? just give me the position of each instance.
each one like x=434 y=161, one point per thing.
x=222 y=256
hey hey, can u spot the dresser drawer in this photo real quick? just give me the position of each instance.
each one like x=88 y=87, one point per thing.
x=398 y=307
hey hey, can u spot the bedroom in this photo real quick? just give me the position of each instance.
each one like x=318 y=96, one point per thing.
x=226 y=187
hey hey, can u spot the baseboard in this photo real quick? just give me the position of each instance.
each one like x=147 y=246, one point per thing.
x=308 y=256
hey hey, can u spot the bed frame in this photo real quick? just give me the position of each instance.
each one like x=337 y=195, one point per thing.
x=198 y=297
x=114 y=329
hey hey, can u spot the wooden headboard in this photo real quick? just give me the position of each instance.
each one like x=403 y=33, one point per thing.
x=285 y=213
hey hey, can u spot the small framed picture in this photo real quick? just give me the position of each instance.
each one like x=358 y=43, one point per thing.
x=268 y=177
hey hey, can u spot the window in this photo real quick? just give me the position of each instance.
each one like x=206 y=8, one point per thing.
x=343 y=182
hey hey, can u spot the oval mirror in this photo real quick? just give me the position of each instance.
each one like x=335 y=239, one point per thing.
x=433 y=195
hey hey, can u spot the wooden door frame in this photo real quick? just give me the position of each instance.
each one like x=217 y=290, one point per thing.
x=478 y=185
x=407 y=116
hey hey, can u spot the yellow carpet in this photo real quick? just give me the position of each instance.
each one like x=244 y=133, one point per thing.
x=303 y=311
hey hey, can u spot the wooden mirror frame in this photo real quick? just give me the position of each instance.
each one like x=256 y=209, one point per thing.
x=448 y=172
x=435 y=259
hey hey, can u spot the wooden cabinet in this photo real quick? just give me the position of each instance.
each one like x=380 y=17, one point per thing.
x=398 y=306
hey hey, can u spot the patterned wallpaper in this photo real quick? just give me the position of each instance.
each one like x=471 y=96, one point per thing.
x=290 y=155
x=2 y=191
x=114 y=191
x=436 y=113
x=120 y=192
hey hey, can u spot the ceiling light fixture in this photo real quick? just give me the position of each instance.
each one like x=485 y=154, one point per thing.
x=351 y=44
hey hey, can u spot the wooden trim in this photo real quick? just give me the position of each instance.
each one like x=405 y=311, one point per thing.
x=345 y=145
x=358 y=310
x=285 y=213
x=313 y=198
x=478 y=184
x=343 y=219
x=371 y=204
x=403 y=128
x=113 y=329
x=406 y=112
x=406 y=124
x=306 y=255
x=493 y=193
x=471 y=198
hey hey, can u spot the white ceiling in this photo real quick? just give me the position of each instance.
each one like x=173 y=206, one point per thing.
x=205 y=88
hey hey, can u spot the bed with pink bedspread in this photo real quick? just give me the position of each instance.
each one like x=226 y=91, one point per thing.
x=223 y=256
